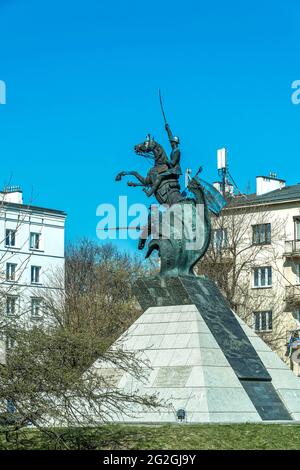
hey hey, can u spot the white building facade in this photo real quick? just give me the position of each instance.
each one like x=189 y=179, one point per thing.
x=31 y=254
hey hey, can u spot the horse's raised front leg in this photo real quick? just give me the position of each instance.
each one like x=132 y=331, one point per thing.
x=139 y=177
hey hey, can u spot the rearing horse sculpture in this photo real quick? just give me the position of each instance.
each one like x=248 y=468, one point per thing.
x=177 y=255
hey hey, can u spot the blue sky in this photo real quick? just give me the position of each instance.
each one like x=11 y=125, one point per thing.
x=82 y=88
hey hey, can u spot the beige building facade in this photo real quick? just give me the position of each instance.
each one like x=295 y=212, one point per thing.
x=255 y=259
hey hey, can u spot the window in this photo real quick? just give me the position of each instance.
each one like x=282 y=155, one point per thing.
x=297 y=315
x=10 y=342
x=11 y=271
x=35 y=240
x=298 y=273
x=262 y=277
x=261 y=234
x=11 y=305
x=10 y=237
x=36 y=307
x=297 y=229
x=263 y=321
x=220 y=238
x=35 y=274
x=10 y=407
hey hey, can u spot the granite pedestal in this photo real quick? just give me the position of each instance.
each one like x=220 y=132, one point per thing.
x=203 y=359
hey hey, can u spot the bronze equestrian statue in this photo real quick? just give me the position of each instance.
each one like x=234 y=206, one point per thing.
x=162 y=181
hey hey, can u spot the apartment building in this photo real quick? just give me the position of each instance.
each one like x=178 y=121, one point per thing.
x=255 y=258
x=31 y=254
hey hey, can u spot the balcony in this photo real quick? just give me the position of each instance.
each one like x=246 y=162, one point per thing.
x=292 y=249
x=292 y=295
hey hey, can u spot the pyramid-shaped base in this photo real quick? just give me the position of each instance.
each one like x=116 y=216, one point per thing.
x=198 y=371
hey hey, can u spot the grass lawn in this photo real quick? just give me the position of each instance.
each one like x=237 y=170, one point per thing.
x=173 y=437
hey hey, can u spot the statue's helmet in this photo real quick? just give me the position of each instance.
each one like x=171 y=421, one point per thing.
x=175 y=139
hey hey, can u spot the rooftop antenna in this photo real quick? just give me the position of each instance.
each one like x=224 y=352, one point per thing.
x=223 y=171
x=222 y=168
x=248 y=187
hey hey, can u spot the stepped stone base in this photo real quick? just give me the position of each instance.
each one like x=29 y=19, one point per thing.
x=203 y=359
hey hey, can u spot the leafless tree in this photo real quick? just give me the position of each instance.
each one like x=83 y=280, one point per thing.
x=49 y=375
x=234 y=254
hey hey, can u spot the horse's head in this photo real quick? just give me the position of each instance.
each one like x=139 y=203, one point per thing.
x=151 y=148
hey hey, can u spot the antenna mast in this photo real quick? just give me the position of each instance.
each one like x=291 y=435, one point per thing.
x=227 y=184
x=222 y=169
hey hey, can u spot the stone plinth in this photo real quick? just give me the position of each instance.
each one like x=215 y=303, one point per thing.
x=203 y=359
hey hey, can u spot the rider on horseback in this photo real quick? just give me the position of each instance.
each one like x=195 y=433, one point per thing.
x=174 y=161
x=172 y=166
